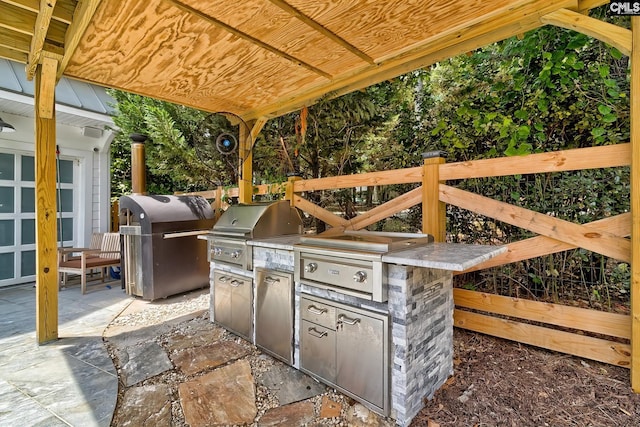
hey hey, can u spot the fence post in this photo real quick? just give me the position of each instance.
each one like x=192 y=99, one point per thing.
x=288 y=195
x=217 y=203
x=434 y=214
x=635 y=204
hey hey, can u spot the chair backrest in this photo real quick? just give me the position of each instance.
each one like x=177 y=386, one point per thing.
x=110 y=242
x=96 y=241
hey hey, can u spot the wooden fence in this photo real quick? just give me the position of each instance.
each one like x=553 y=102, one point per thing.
x=582 y=332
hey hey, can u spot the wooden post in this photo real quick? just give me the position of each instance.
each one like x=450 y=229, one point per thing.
x=248 y=135
x=635 y=205
x=245 y=183
x=45 y=175
x=434 y=214
x=288 y=195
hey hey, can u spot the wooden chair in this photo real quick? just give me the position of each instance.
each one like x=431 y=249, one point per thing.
x=107 y=256
x=69 y=254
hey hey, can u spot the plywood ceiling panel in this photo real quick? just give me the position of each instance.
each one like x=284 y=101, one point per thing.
x=260 y=58
x=155 y=48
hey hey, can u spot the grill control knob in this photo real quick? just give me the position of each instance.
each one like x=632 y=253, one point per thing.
x=360 y=276
x=311 y=267
x=235 y=254
x=217 y=251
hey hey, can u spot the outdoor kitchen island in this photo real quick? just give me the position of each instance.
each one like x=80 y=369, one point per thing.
x=388 y=352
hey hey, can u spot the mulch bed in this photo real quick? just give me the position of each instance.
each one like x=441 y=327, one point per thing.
x=503 y=383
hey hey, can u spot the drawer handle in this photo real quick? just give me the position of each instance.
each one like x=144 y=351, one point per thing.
x=345 y=319
x=270 y=280
x=235 y=283
x=315 y=310
x=223 y=279
x=316 y=333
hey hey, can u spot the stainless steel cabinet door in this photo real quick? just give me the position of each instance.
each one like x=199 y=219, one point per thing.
x=222 y=299
x=274 y=313
x=318 y=350
x=360 y=355
x=232 y=303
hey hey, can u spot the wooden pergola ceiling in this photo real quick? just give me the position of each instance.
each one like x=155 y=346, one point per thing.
x=258 y=58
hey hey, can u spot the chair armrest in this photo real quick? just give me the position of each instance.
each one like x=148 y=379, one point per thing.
x=71 y=250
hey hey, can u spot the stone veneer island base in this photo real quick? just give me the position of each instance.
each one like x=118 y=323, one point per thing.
x=420 y=311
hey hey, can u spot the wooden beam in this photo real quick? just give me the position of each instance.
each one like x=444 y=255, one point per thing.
x=606 y=156
x=15 y=41
x=583 y=319
x=398 y=176
x=601 y=242
x=45 y=192
x=43 y=20
x=244 y=36
x=385 y=210
x=15 y=19
x=434 y=213
x=616 y=36
x=13 y=55
x=598 y=349
x=319 y=212
x=62 y=13
x=635 y=205
x=322 y=30
x=587 y=5
x=47 y=86
x=619 y=225
x=512 y=21
x=81 y=19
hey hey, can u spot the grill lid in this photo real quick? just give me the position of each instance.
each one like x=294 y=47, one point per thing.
x=259 y=220
x=368 y=241
x=173 y=212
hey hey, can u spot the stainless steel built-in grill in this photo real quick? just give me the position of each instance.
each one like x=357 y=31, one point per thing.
x=351 y=263
x=243 y=222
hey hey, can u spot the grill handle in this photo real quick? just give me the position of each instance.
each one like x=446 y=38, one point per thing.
x=344 y=319
x=315 y=310
x=236 y=283
x=316 y=333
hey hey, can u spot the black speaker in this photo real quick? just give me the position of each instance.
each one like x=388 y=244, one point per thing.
x=226 y=143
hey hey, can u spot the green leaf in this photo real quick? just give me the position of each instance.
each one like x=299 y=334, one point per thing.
x=609 y=118
x=523 y=132
x=615 y=53
x=603 y=109
x=603 y=70
x=543 y=105
x=598 y=131
x=521 y=114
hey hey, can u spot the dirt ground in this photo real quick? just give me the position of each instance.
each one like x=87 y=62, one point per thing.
x=502 y=383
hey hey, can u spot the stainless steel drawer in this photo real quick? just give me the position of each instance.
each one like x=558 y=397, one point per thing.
x=319 y=313
x=318 y=351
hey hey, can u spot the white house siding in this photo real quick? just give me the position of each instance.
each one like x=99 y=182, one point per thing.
x=85 y=176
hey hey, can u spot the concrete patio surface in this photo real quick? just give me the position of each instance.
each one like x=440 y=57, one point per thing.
x=168 y=356
x=68 y=382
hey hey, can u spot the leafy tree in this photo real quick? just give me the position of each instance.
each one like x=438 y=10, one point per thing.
x=181 y=153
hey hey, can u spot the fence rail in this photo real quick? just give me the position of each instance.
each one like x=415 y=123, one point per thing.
x=551 y=326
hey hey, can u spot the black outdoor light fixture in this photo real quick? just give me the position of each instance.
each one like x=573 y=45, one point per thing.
x=6 y=127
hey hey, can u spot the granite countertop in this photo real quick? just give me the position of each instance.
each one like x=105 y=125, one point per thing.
x=281 y=242
x=444 y=256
